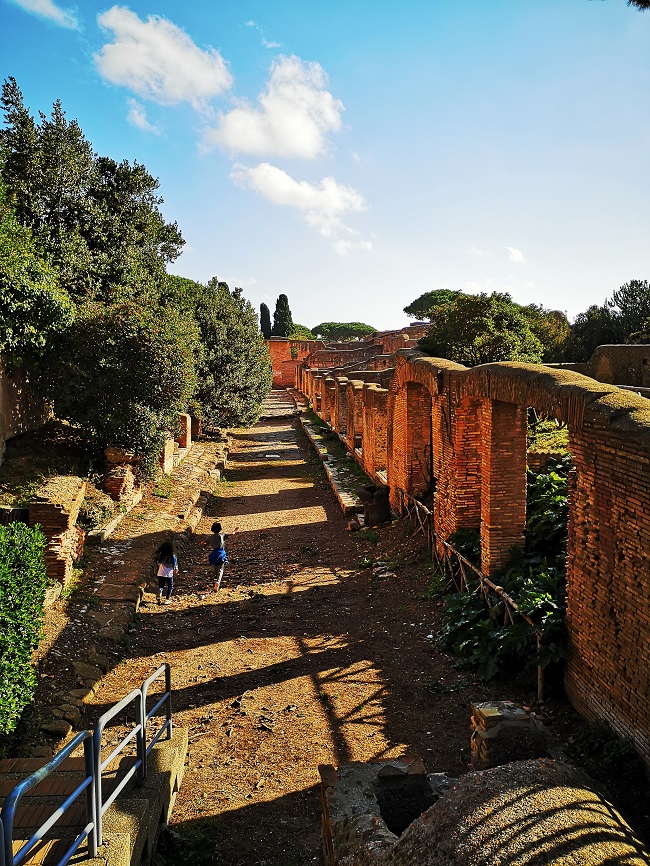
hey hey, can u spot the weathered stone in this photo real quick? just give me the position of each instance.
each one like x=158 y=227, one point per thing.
x=41 y=752
x=56 y=728
x=86 y=671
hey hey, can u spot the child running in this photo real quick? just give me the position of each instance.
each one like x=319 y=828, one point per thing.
x=218 y=557
x=167 y=563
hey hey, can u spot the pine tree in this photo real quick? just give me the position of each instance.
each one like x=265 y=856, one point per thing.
x=265 y=321
x=282 y=321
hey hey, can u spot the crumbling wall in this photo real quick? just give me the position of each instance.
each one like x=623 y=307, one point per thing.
x=286 y=355
x=55 y=508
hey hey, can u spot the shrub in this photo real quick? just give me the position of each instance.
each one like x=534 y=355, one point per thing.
x=122 y=373
x=22 y=593
x=472 y=627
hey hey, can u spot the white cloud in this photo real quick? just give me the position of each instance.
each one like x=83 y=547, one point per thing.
x=515 y=255
x=137 y=116
x=295 y=114
x=268 y=44
x=322 y=204
x=158 y=61
x=48 y=9
x=475 y=251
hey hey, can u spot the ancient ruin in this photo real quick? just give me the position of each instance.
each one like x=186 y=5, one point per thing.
x=456 y=437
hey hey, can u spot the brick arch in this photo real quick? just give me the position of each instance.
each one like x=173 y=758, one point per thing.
x=478 y=422
x=414 y=409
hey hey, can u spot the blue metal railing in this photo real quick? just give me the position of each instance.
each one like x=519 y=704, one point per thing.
x=95 y=768
x=87 y=785
x=165 y=700
x=137 y=732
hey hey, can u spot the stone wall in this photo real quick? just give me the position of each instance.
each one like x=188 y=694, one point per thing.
x=20 y=408
x=459 y=435
x=621 y=365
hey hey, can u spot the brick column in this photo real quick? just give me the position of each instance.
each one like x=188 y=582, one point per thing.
x=503 y=482
x=340 y=410
x=375 y=427
x=354 y=408
x=419 y=439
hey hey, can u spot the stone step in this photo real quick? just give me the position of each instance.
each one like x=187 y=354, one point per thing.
x=130 y=825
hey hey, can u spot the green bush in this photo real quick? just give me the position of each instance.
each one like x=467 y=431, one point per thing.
x=473 y=627
x=22 y=593
x=122 y=373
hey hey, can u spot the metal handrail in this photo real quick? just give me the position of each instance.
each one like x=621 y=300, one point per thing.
x=166 y=699
x=137 y=732
x=88 y=785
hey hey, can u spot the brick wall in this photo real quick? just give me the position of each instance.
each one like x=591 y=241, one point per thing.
x=477 y=419
x=55 y=508
x=286 y=355
x=621 y=365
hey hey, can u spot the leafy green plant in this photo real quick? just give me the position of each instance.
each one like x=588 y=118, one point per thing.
x=164 y=487
x=22 y=593
x=475 y=626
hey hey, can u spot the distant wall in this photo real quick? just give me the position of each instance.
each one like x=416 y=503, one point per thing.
x=286 y=355
x=621 y=365
x=20 y=409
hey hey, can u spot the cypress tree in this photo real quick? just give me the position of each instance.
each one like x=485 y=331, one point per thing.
x=265 y=321
x=282 y=321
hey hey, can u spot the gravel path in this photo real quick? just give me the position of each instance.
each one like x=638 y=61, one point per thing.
x=301 y=658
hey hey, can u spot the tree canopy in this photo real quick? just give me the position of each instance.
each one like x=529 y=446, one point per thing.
x=122 y=373
x=117 y=344
x=301 y=332
x=96 y=220
x=234 y=368
x=343 y=330
x=479 y=329
x=33 y=306
x=426 y=305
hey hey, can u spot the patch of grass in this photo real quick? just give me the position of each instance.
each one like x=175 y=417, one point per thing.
x=72 y=584
x=164 y=487
x=369 y=535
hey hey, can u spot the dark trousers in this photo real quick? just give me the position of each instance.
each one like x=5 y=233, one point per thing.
x=166 y=582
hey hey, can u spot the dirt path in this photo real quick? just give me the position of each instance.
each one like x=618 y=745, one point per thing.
x=302 y=658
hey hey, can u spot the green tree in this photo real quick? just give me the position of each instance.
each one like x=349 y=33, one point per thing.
x=96 y=220
x=282 y=321
x=551 y=328
x=265 y=321
x=425 y=306
x=598 y=326
x=122 y=373
x=33 y=306
x=631 y=305
x=480 y=329
x=235 y=369
x=343 y=330
x=301 y=332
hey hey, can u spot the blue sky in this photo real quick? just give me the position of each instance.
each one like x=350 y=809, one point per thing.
x=354 y=155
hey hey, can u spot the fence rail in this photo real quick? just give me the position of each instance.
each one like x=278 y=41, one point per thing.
x=456 y=567
x=95 y=769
